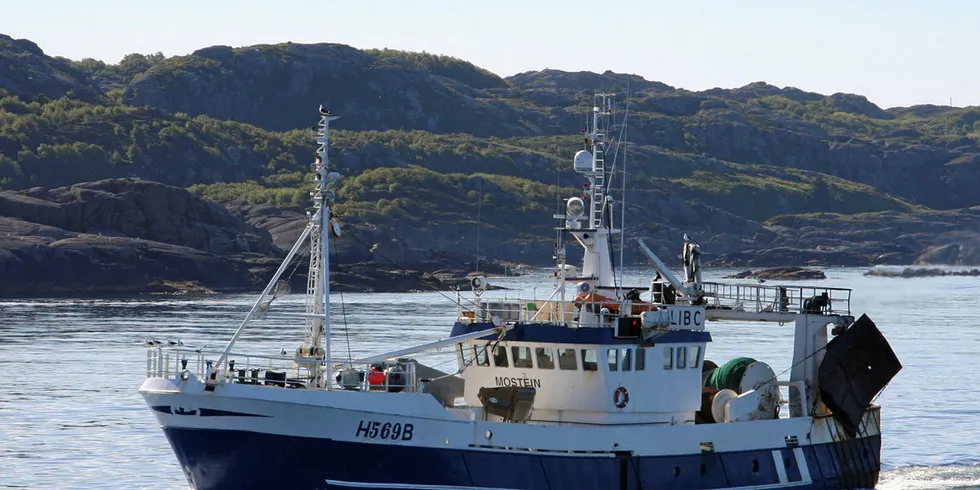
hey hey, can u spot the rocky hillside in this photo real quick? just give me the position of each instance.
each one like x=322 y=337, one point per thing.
x=274 y=87
x=123 y=235
x=933 y=237
x=26 y=72
x=927 y=156
x=435 y=150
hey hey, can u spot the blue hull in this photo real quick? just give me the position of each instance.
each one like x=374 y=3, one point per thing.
x=219 y=459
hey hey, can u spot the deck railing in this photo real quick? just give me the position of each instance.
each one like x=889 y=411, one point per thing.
x=769 y=301
x=757 y=298
x=282 y=371
x=526 y=311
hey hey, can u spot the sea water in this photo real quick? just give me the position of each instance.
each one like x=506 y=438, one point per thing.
x=70 y=416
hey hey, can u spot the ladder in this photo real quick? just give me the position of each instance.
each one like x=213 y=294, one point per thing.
x=602 y=109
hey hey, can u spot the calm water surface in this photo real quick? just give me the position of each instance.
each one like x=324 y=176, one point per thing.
x=70 y=416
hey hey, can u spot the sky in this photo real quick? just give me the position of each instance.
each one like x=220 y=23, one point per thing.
x=895 y=52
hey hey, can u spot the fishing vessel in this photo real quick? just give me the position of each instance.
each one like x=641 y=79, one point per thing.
x=601 y=386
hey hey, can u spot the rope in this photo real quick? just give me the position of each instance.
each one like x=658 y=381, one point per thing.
x=468 y=363
x=813 y=406
x=296 y=265
x=422 y=280
x=277 y=292
x=712 y=379
x=622 y=217
x=343 y=308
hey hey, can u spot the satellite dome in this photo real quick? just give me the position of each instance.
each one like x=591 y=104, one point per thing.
x=583 y=161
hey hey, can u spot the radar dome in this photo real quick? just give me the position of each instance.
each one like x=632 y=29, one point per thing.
x=583 y=161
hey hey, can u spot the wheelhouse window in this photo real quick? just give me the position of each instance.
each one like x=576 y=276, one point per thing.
x=566 y=359
x=481 y=355
x=641 y=358
x=681 y=357
x=546 y=360
x=522 y=356
x=695 y=356
x=627 y=355
x=668 y=358
x=589 y=360
x=612 y=356
x=500 y=356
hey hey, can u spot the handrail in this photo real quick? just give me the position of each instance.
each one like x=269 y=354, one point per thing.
x=296 y=371
x=553 y=294
x=759 y=298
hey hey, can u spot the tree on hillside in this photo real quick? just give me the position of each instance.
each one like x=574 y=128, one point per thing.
x=131 y=66
x=822 y=194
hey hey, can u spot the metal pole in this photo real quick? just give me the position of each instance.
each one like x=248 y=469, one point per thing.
x=325 y=240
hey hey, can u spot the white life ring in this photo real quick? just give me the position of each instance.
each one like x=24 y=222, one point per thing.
x=621 y=397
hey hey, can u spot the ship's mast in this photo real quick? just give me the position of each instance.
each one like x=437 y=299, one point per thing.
x=601 y=111
x=318 y=284
x=591 y=163
x=318 y=229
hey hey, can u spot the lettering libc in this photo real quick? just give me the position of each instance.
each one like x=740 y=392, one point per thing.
x=686 y=318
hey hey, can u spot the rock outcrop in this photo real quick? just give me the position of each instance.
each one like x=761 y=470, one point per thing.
x=126 y=236
x=781 y=274
x=137 y=209
x=130 y=236
x=31 y=75
x=273 y=86
x=915 y=272
x=937 y=237
x=121 y=236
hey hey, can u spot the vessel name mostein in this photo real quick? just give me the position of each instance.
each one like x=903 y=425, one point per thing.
x=519 y=382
